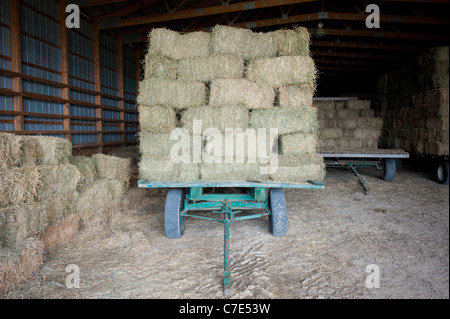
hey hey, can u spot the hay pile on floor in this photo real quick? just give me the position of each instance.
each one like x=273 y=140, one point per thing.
x=415 y=108
x=240 y=83
x=44 y=191
x=347 y=125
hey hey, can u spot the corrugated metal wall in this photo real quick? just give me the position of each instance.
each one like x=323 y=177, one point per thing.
x=43 y=103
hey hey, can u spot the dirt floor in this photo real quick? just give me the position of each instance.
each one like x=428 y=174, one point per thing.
x=333 y=235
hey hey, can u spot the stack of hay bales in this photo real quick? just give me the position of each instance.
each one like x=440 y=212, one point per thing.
x=230 y=78
x=416 y=108
x=43 y=193
x=347 y=125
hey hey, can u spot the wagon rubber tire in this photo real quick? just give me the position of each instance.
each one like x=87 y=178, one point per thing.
x=278 y=219
x=173 y=222
x=441 y=173
x=389 y=169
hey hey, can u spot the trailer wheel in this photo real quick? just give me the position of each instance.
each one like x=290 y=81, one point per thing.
x=173 y=222
x=278 y=219
x=389 y=169
x=441 y=173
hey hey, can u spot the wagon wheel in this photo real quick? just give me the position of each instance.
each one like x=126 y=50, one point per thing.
x=277 y=219
x=388 y=170
x=173 y=221
x=441 y=173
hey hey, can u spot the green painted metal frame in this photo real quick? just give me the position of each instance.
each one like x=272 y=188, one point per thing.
x=227 y=206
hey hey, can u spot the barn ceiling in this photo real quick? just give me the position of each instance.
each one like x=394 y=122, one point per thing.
x=349 y=56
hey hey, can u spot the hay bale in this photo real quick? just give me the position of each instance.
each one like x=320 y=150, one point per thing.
x=367 y=133
x=87 y=169
x=358 y=104
x=22 y=221
x=177 y=94
x=20 y=185
x=286 y=70
x=60 y=206
x=10 y=151
x=98 y=196
x=298 y=144
x=323 y=106
x=55 y=150
x=211 y=68
x=129 y=152
x=228 y=172
x=57 y=236
x=157 y=119
x=220 y=117
x=160 y=67
x=242 y=42
x=155 y=145
x=295 y=96
x=299 y=169
x=292 y=42
x=288 y=120
x=58 y=180
x=156 y=170
x=113 y=168
x=241 y=91
x=330 y=144
x=19 y=262
x=179 y=46
x=332 y=133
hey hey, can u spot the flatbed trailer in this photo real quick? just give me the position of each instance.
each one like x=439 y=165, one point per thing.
x=184 y=198
x=387 y=161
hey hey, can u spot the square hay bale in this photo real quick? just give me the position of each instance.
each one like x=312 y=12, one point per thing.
x=330 y=144
x=330 y=133
x=280 y=71
x=55 y=150
x=367 y=133
x=296 y=95
x=299 y=169
x=19 y=262
x=160 y=67
x=219 y=117
x=87 y=170
x=60 y=206
x=179 y=46
x=241 y=91
x=367 y=113
x=155 y=145
x=228 y=172
x=292 y=42
x=113 y=168
x=20 y=185
x=58 y=180
x=352 y=143
x=98 y=196
x=436 y=148
x=211 y=68
x=358 y=104
x=22 y=221
x=321 y=106
x=177 y=94
x=287 y=120
x=346 y=113
x=156 y=170
x=242 y=42
x=157 y=119
x=298 y=144
x=10 y=151
x=58 y=235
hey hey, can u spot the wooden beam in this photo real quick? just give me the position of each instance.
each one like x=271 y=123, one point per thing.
x=92 y=3
x=354 y=55
x=65 y=66
x=371 y=46
x=129 y=9
x=98 y=83
x=201 y=12
x=16 y=63
x=121 y=88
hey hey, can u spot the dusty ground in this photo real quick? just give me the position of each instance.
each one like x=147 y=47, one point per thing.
x=333 y=234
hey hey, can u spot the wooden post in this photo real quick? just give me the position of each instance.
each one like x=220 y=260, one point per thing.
x=98 y=84
x=121 y=90
x=138 y=77
x=65 y=66
x=16 y=63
